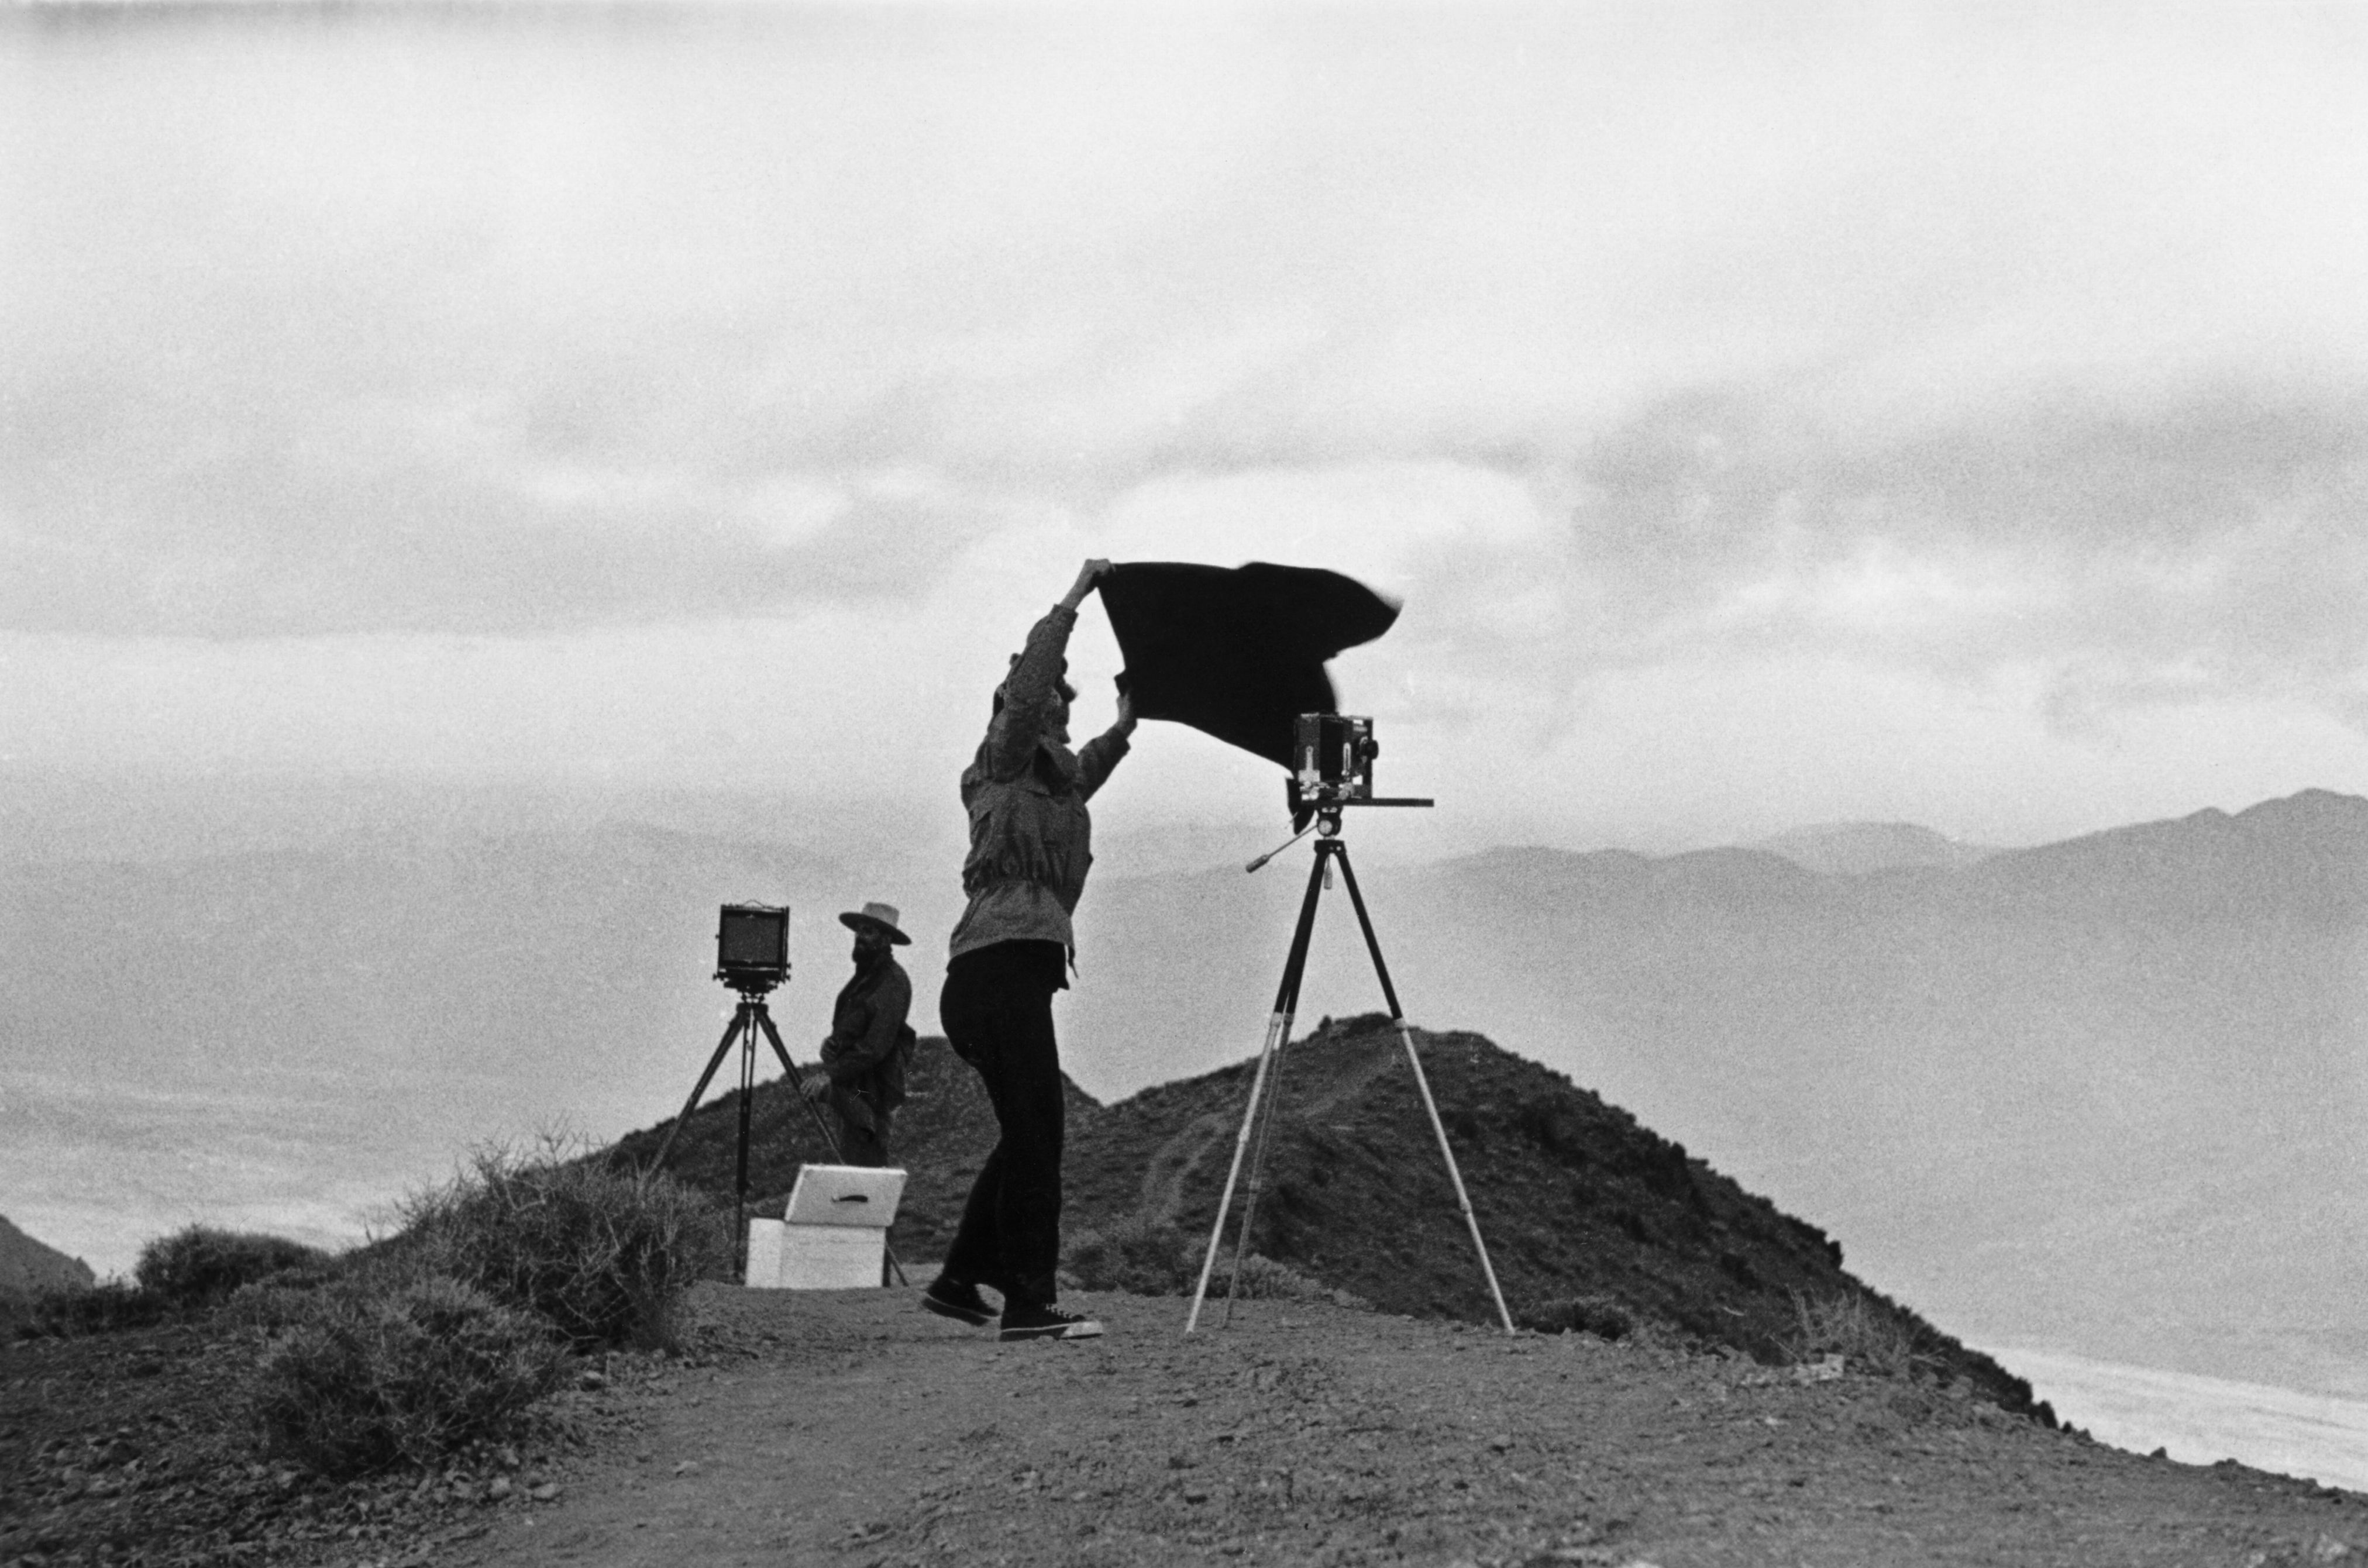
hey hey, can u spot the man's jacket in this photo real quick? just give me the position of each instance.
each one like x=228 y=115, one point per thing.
x=869 y=1044
x=1030 y=839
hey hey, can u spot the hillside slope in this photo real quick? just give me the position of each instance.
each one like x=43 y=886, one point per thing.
x=1577 y=1201
x=27 y=1266
x=2101 y=1094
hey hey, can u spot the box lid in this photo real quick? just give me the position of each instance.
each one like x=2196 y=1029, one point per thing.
x=845 y=1195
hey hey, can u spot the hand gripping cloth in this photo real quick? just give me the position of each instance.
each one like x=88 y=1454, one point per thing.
x=1238 y=653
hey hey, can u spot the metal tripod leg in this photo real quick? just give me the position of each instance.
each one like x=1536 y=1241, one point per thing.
x=830 y=1139
x=1422 y=1082
x=1288 y=1007
x=1278 y=1030
x=740 y=1168
x=731 y=1033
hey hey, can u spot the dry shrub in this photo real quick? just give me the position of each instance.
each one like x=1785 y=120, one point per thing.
x=1868 y=1335
x=103 y=1308
x=197 y=1267
x=1145 y=1259
x=1133 y=1254
x=1599 y=1315
x=1264 y=1279
x=291 y=1300
x=376 y=1377
x=605 y=1256
x=190 y=1272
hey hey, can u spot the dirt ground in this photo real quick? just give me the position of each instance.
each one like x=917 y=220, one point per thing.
x=850 y=1427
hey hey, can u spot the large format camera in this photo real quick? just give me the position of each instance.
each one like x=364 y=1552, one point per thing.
x=1332 y=767
x=752 y=947
x=1332 y=758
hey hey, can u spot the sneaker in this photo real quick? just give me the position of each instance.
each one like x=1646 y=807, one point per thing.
x=959 y=1300
x=1025 y=1320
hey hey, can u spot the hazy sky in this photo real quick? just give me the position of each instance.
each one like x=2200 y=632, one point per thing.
x=1770 y=415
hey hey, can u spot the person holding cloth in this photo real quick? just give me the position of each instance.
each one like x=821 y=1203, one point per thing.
x=862 y=1070
x=1031 y=845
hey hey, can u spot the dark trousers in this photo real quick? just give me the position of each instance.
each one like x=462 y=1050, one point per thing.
x=861 y=1145
x=997 y=1009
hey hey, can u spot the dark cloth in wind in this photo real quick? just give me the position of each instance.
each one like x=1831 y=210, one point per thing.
x=1238 y=652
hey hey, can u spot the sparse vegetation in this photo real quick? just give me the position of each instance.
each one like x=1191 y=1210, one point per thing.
x=603 y=1255
x=373 y=1379
x=188 y=1273
x=198 y=1268
x=411 y=1348
x=1262 y=1279
x=103 y=1308
x=1133 y=1253
x=1869 y=1335
x=1146 y=1258
x=1597 y=1315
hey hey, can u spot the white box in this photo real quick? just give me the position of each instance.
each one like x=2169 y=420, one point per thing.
x=764 y=1255
x=832 y=1257
x=845 y=1195
x=834 y=1235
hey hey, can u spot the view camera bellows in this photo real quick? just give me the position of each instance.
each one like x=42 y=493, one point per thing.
x=1332 y=758
x=1331 y=767
x=752 y=947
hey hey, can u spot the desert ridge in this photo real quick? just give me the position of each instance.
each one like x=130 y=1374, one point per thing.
x=1593 y=1221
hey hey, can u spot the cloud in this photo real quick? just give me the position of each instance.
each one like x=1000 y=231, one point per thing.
x=1968 y=352
x=2204 y=537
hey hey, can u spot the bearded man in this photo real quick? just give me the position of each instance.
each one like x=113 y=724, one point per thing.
x=862 y=1070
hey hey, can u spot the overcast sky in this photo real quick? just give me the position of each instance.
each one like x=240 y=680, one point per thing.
x=1767 y=416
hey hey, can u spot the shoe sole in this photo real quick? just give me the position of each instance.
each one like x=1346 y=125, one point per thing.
x=960 y=1314
x=1053 y=1331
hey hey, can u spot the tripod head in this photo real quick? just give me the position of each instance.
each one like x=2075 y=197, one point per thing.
x=1333 y=768
x=1334 y=755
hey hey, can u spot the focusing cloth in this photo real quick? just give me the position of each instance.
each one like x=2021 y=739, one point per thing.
x=1236 y=653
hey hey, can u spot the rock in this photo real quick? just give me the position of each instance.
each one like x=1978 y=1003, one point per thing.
x=1500 y=1443
x=546 y=1493
x=2326 y=1549
x=499 y=1489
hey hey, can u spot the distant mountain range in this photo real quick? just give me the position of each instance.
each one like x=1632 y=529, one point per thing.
x=2103 y=1094
x=1855 y=848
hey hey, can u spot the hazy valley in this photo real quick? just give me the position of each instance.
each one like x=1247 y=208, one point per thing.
x=2100 y=1097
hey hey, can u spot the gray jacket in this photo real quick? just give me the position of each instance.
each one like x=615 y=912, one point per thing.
x=1030 y=838
x=869 y=1044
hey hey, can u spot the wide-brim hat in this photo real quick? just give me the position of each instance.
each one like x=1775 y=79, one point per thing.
x=880 y=914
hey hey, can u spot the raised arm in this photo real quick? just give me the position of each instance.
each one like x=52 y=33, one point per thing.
x=1028 y=690
x=1099 y=755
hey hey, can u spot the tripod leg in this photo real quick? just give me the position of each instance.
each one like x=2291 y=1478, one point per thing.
x=740 y=1177
x=1422 y=1082
x=814 y=1111
x=1288 y=1009
x=1286 y=997
x=731 y=1033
